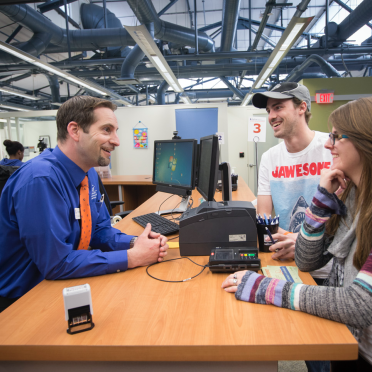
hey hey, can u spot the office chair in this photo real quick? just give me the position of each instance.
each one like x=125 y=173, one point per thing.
x=5 y=172
x=111 y=204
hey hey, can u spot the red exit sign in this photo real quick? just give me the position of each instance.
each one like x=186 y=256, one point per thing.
x=324 y=97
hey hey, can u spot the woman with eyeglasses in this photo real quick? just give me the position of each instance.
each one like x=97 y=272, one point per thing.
x=334 y=226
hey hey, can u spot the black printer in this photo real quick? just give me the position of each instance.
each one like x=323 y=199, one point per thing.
x=215 y=224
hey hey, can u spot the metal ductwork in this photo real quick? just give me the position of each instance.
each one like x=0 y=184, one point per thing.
x=92 y=17
x=361 y=15
x=35 y=46
x=327 y=68
x=218 y=93
x=182 y=36
x=235 y=90
x=213 y=70
x=161 y=92
x=80 y=40
x=230 y=15
x=54 y=87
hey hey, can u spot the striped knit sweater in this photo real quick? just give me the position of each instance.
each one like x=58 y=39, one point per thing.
x=350 y=305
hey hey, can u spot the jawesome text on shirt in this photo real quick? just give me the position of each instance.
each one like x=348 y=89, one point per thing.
x=300 y=170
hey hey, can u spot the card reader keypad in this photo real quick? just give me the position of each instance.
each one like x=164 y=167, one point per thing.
x=224 y=259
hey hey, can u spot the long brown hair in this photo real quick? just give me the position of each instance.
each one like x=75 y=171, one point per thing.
x=354 y=120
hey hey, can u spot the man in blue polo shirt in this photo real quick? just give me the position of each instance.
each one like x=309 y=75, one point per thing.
x=40 y=209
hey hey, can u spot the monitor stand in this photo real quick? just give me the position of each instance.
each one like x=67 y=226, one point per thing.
x=182 y=207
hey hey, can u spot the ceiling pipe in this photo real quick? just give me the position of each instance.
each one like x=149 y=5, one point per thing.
x=326 y=67
x=360 y=16
x=268 y=8
x=161 y=92
x=230 y=15
x=184 y=72
x=217 y=93
x=235 y=90
x=94 y=17
x=201 y=57
x=300 y=9
x=80 y=40
x=146 y=13
x=54 y=87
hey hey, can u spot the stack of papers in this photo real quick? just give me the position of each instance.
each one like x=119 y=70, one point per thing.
x=288 y=273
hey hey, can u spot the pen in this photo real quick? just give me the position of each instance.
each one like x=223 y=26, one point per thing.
x=267 y=222
x=270 y=236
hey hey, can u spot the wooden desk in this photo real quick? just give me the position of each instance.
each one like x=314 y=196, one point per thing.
x=134 y=190
x=139 y=319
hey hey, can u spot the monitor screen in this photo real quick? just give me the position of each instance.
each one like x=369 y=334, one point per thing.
x=208 y=167
x=174 y=164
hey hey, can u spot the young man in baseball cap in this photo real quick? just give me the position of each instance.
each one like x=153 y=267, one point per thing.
x=290 y=171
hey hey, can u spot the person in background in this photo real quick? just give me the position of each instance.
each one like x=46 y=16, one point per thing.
x=15 y=151
x=54 y=223
x=290 y=171
x=340 y=226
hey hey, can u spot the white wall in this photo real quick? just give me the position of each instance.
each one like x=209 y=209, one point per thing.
x=33 y=129
x=161 y=121
x=238 y=142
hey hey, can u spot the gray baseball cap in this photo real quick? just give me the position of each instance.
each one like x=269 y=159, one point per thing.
x=283 y=91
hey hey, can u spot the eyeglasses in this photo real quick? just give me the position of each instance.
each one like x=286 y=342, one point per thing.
x=333 y=137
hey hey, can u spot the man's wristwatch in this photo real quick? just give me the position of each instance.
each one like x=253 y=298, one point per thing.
x=131 y=244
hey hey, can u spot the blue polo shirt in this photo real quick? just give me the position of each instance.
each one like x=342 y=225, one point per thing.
x=11 y=162
x=39 y=231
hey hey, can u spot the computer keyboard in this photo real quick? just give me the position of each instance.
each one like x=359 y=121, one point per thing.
x=159 y=224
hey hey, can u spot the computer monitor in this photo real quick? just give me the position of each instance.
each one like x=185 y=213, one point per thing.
x=174 y=169
x=208 y=167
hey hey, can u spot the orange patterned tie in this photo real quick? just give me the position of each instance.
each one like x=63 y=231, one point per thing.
x=86 y=219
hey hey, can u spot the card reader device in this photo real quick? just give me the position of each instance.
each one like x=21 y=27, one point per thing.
x=224 y=260
x=78 y=308
x=217 y=224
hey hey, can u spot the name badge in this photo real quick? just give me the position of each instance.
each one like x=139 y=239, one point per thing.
x=77 y=213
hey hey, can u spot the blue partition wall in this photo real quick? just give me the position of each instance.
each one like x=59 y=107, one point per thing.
x=196 y=123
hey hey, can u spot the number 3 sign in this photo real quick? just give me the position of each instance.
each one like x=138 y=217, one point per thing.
x=257 y=129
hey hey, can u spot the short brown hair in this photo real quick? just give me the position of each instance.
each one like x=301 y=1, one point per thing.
x=81 y=110
x=297 y=102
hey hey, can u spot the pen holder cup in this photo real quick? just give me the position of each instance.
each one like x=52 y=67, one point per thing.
x=262 y=235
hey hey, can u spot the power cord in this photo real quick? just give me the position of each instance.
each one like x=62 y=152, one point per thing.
x=176 y=281
x=164 y=202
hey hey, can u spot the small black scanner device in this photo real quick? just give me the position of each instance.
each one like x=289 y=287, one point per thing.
x=229 y=224
x=224 y=260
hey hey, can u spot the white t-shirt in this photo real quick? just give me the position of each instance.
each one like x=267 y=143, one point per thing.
x=292 y=179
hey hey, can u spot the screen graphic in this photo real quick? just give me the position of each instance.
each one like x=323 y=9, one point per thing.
x=173 y=163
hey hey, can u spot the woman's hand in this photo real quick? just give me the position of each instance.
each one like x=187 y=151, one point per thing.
x=284 y=248
x=332 y=179
x=231 y=283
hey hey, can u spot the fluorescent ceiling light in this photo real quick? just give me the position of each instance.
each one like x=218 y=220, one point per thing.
x=247 y=99
x=186 y=99
x=12 y=107
x=55 y=70
x=17 y=93
x=143 y=38
x=293 y=31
